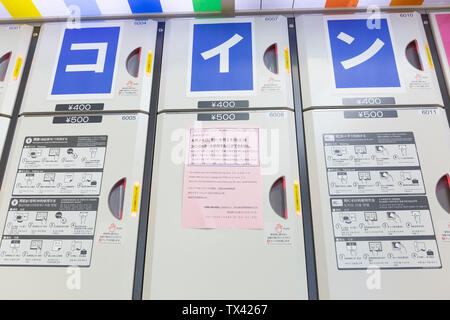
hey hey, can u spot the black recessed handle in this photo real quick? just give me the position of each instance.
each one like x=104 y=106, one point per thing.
x=4 y=63
x=413 y=56
x=271 y=58
x=443 y=192
x=277 y=197
x=116 y=198
x=133 y=62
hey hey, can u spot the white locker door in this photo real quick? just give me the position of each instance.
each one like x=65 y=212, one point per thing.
x=4 y=124
x=362 y=59
x=15 y=40
x=226 y=262
x=70 y=207
x=100 y=66
x=380 y=208
x=226 y=63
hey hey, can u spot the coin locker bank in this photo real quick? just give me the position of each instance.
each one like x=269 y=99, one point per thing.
x=225 y=218
x=72 y=184
x=440 y=23
x=378 y=176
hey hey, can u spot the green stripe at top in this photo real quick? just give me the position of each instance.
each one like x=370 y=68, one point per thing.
x=207 y=5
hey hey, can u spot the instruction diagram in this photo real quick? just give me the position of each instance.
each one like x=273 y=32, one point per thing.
x=371 y=150
x=372 y=163
x=381 y=217
x=387 y=254
x=52 y=215
x=49 y=232
x=74 y=152
x=379 y=209
x=53 y=166
x=41 y=182
x=371 y=181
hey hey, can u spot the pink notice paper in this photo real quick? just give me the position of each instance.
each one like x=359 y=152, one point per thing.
x=443 y=21
x=222 y=179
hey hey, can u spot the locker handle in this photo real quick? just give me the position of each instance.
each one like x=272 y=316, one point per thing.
x=413 y=56
x=4 y=63
x=443 y=192
x=277 y=197
x=133 y=62
x=116 y=198
x=271 y=58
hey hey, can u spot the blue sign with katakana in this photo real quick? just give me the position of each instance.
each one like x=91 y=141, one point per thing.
x=362 y=54
x=222 y=57
x=86 y=61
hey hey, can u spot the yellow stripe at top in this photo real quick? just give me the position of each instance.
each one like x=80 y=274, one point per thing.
x=21 y=8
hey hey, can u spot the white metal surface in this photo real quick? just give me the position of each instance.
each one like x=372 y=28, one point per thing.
x=4 y=124
x=385 y=235
x=184 y=263
x=364 y=70
x=79 y=67
x=71 y=250
x=15 y=41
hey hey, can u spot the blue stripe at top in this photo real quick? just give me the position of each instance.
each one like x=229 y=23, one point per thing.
x=145 y=6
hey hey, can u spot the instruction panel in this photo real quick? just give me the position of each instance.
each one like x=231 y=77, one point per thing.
x=387 y=232
x=68 y=165
x=387 y=254
x=386 y=223
x=222 y=179
x=372 y=181
x=359 y=150
x=372 y=163
x=49 y=232
x=381 y=217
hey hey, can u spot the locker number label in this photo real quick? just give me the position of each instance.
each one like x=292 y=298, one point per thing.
x=429 y=112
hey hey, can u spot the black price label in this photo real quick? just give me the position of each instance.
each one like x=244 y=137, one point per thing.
x=80 y=107
x=77 y=119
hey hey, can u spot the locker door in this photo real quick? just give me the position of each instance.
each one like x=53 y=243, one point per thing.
x=240 y=259
x=226 y=63
x=101 y=66
x=360 y=59
x=71 y=198
x=380 y=210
